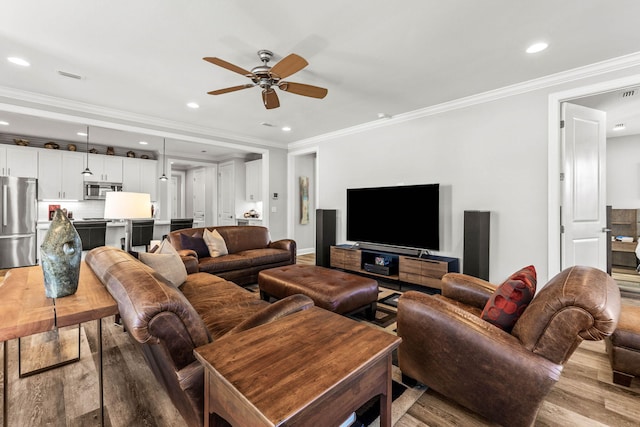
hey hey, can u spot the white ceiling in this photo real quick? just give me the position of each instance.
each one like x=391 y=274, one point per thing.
x=140 y=61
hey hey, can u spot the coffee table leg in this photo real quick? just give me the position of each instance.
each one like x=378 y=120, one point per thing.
x=207 y=415
x=385 y=399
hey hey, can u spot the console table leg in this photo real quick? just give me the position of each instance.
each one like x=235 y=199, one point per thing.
x=100 y=385
x=5 y=383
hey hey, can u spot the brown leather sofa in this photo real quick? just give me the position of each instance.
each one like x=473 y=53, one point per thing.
x=250 y=251
x=499 y=375
x=169 y=322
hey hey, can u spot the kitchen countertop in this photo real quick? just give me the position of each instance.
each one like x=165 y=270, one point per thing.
x=45 y=224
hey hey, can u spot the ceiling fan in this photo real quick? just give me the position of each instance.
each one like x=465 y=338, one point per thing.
x=269 y=77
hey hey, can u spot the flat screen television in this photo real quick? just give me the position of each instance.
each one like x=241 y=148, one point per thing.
x=406 y=216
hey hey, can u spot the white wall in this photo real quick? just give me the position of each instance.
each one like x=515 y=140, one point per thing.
x=623 y=172
x=277 y=172
x=305 y=234
x=491 y=156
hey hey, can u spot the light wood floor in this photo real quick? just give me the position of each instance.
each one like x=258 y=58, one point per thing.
x=68 y=396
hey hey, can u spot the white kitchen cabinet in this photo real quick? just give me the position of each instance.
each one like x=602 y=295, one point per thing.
x=140 y=176
x=59 y=175
x=18 y=161
x=253 y=173
x=105 y=168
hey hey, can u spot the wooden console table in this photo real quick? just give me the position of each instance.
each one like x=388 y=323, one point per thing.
x=25 y=310
x=410 y=269
x=313 y=367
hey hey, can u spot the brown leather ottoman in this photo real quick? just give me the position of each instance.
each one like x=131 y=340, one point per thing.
x=623 y=346
x=333 y=290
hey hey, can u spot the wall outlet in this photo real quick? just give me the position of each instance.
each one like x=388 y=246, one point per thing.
x=274 y=209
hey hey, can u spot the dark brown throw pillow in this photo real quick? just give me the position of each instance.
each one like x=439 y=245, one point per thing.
x=196 y=243
x=511 y=298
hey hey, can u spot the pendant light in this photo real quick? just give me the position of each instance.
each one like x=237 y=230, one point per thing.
x=164 y=159
x=87 y=171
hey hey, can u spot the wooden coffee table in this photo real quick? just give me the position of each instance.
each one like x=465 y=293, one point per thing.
x=313 y=367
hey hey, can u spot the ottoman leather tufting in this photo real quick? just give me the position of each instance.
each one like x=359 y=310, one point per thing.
x=332 y=290
x=623 y=346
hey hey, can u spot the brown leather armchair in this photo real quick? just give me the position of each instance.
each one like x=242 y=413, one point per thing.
x=499 y=375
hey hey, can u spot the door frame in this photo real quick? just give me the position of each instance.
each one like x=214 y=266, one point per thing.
x=555 y=158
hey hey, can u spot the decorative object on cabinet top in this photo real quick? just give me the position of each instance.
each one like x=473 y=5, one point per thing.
x=110 y=151
x=131 y=154
x=52 y=145
x=38 y=142
x=22 y=142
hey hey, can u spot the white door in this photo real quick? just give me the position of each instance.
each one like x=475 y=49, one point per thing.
x=175 y=213
x=226 y=198
x=583 y=210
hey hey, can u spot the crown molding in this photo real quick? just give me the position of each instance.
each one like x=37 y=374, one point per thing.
x=596 y=69
x=52 y=107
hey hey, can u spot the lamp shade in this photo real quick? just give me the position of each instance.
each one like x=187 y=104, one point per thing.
x=126 y=205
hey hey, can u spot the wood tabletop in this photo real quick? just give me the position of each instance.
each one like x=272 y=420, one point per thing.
x=284 y=366
x=25 y=310
x=92 y=301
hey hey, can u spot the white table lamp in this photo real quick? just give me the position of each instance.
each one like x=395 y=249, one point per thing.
x=128 y=206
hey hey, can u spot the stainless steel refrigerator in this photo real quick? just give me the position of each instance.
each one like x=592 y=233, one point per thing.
x=18 y=214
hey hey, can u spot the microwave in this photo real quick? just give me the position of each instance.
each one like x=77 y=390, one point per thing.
x=99 y=190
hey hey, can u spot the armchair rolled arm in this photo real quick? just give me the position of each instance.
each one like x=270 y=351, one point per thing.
x=286 y=244
x=467 y=289
x=275 y=311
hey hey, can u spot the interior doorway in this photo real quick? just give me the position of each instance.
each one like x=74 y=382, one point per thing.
x=555 y=158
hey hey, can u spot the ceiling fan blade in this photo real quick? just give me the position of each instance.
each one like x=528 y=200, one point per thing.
x=270 y=99
x=288 y=65
x=229 y=89
x=303 y=89
x=229 y=66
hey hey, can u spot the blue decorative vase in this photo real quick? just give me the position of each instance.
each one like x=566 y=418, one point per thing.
x=61 y=253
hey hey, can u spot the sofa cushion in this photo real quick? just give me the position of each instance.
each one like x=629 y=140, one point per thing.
x=215 y=243
x=167 y=263
x=265 y=256
x=196 y=243
x=510 y=299
x=224 y=263
x=221 y=304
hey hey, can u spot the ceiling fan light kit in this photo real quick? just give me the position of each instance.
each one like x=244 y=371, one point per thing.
x=268 y=78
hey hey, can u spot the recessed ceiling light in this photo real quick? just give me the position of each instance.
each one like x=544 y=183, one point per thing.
x=537 y=47
x=193 y=105
x=3 y=123
x=18 y=61
x=81 y=134
x=619 y=126
x=143 y=142
x=286 y=129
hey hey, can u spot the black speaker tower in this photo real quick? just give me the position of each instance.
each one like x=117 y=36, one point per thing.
x=325 y=235
x=476 y=244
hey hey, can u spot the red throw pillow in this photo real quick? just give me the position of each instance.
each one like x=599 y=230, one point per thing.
x=511 y=298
